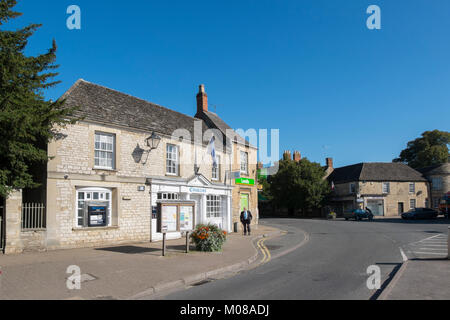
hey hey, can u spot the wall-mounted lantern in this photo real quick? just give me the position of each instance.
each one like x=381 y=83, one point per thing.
x=153 y=143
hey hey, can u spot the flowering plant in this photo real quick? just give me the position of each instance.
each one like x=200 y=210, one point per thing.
x=208 y=238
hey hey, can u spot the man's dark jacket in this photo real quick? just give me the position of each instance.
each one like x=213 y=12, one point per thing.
x=249 y=216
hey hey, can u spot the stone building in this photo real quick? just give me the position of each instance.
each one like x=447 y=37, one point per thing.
x=388 y=189
x=125 y=155
x=439 y=178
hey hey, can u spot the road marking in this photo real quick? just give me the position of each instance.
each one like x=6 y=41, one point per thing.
x=439 y=254
x=405 y=258
x=265 y=251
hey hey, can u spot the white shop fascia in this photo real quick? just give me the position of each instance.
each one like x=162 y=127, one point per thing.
x=212 y=201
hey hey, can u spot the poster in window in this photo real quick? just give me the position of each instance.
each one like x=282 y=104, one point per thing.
x=186 y=218
x=169 y=218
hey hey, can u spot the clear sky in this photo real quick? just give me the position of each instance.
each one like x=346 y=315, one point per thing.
x=310 y=68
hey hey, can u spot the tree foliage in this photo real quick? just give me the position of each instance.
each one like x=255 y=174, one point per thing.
x=430 y=149
x=27 y=120
x=298 y=185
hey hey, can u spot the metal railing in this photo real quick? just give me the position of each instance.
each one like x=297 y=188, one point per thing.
x=33 y=216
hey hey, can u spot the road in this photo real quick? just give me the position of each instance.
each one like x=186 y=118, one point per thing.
x=331 y=265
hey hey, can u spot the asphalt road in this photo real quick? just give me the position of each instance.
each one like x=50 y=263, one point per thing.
x=332 y=265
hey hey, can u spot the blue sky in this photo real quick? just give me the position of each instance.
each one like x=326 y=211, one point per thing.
x=310 y=68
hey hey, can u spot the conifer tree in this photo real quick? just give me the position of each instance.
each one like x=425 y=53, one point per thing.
x=27 y=121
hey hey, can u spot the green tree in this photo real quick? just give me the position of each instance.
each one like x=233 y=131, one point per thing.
x=299 y=185
x=27 y=121
x=430 y=149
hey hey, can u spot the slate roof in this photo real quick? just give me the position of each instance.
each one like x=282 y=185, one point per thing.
x=440 y=169
x=103 y=105
x=376 y=172
x=214 y=121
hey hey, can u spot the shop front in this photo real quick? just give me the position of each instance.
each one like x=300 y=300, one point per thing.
x=212 y=202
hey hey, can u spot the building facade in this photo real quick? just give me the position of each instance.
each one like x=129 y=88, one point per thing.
x=125 y=155
x=439 y=178
x=387 y=189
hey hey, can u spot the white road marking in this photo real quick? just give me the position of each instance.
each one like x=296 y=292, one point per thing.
x=405 y=258
x=439 y=254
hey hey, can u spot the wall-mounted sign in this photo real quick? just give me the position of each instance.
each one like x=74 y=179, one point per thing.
x=245 y=182
x=175 y=216
x=197 y=190
x=141 y=188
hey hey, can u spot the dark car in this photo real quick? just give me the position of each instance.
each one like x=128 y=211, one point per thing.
x=358 y=214
x=420 y=213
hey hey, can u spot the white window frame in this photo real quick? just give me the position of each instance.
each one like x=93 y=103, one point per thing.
x=215 y=174
x=412 y=206
x=386 y=186
x=163 y=196
x=413 y=185
x=244 y=162
x=104 y=194
x=213 y=206
x=172 y=160
x=102 y=148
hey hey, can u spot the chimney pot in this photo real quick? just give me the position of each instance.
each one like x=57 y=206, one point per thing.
x=297 y=156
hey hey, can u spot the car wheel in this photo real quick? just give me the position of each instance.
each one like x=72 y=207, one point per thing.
x=346 y=219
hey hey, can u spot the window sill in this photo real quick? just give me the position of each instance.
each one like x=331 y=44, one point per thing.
x=96 y=228
x=104 y=169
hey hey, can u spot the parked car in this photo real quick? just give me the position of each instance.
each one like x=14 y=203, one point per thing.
x=358 y=214
x=420 y=213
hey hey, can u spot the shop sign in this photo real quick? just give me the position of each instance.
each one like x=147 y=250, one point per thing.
x=245 y=182
x=197 y=190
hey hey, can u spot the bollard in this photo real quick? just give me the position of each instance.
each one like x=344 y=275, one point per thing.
x=164 y=245
x=187 y=242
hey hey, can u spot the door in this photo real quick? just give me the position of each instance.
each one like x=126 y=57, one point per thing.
x=244 y=202
x=401 y=208
x=376 y=206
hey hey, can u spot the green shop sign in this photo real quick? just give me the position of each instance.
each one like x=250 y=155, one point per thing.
x=245 y=182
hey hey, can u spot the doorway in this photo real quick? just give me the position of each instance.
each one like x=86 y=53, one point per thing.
x=244 y=201
x=401 y=208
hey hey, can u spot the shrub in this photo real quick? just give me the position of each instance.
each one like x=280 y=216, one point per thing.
x=208 y=238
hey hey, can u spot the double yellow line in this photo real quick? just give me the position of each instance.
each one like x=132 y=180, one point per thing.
x=265 y=251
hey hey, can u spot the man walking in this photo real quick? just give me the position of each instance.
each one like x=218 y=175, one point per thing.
x=246 y=220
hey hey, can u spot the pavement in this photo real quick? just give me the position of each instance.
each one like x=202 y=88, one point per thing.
x=425 y=276
x=130 y=271
x=420 y=280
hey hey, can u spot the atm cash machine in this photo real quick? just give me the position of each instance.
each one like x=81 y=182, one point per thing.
x=96 y=213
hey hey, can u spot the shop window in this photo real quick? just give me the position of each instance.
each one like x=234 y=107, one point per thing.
x=172 y=160
x=412 y=188
x=213 y=206
x=89 y=197
x=244 y=162
x=104 y=151
x=386 y=187
x=216 y=170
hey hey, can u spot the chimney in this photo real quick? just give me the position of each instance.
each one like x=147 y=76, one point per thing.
x=297 y=156
x=330 y=163
x=259 y=166
x=202 y=100
x=287 y=155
